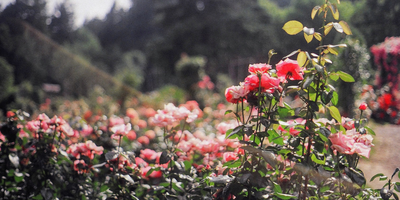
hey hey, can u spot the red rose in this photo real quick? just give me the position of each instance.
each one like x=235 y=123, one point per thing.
x=363 y=106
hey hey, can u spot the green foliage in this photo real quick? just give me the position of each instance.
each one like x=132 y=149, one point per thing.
x=6 y=80
x=169 y=93
x=376 y=20
x=130 y=69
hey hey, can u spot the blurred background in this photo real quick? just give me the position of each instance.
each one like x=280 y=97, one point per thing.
x=80 y=49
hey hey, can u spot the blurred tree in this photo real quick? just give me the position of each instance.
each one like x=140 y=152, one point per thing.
x=189 y=71
x=282 y=3
x=378 y=19
x=128 y=30
x=7 y=87
x=30 y=11
x=15 y=47
x=86 y=44
x=130 y=68
x=61 y=26
x=220 y=30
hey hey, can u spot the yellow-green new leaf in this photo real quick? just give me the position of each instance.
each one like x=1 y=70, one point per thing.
x=293 y=27
x=334 y=10
x=328 y=28
x=333 y=51
x=345 y=76
x=308 y=37
x=345 y=27
x=334 y=76
x=318 y=36
x=301 y=58
x=335 y=113
x=314 y=11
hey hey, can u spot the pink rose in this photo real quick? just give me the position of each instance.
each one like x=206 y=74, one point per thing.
x=154 y=174
x=259 y=68
x=342 y=143
x=228 y=156
x=148 y=154
x=234 y=94
x=252 y=82
x=268 y=82
x=144 y=140
x=361 y=149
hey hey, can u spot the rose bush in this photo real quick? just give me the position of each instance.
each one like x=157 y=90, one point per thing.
x=383 y=97
x=256 y=147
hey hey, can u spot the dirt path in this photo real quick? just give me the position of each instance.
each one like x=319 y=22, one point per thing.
x=385 y=155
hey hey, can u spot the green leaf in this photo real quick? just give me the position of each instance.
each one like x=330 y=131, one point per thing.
x=335 y=113
x=293 y=27
x=395 y=196
x=235 y=131
x=315 y=159
x=345 y=76
x=18 y=177
x=285 y=112
x=103 y=188
x=275 y=137
x=335 y=98
x=376 y=175
x=285 y=196
x=370 y=131
x=233 y=164
x=334 y=76
x=307 y=81
x=277 y=188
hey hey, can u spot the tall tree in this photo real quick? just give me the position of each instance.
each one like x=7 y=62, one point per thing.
x=378 y=19
x=61 y=26
x=31 y=11
x=220 y=30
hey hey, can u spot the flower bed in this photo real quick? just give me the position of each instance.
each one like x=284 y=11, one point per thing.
x=383 y=97
x=257 y=147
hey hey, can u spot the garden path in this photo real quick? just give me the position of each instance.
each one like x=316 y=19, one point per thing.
x=385 y=155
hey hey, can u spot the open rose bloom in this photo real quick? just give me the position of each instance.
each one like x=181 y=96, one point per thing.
x=263 y=78
x=351 y=142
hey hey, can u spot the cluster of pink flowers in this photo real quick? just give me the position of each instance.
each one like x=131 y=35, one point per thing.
x=383 y=97
x=120 y=130
x=45 y=124
x=121 y=161
x=213 y=147
x=262 y=77
x=351 y=141
x=206 y=83
x=172 y=114
x=88 y=149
